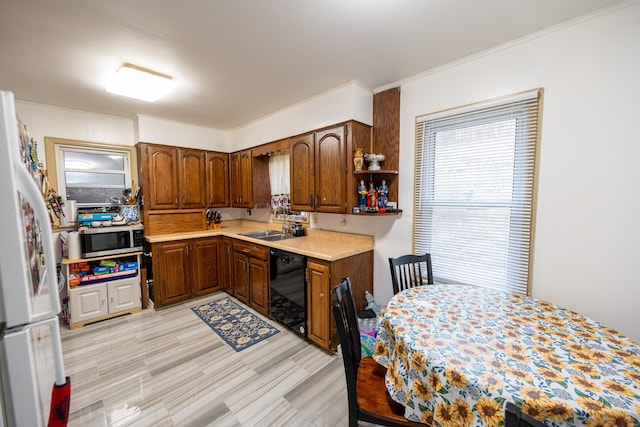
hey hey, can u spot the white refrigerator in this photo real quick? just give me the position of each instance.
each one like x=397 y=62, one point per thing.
x=34 y=389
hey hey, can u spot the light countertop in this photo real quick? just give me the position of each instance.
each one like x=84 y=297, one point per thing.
x=321 y=244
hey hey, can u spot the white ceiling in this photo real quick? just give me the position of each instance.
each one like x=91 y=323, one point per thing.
x=235 y=61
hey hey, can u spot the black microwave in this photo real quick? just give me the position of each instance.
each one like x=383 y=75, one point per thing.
x=113 y=240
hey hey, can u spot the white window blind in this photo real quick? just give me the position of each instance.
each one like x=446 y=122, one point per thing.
x=474 y=191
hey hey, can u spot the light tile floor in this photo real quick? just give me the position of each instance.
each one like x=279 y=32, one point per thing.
x=168 y=368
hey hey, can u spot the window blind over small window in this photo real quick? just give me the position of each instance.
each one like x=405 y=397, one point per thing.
x=474 y=191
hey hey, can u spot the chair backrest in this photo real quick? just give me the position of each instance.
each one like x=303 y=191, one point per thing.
x=407 y=271
x=514 y=417
x=347 y=324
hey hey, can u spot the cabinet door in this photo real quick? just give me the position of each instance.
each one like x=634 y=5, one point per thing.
x=171 y=272
x=217 y=179
x=87 y=303
x=235 y=177
x=163 y=177
x=241 y=190
x=302 y=172
x=191 y=179
x=204 y=266
x=123 y=295
x=225 y=265
x=246 y=189
x=241 y=276
x=330 y=170
x=259 y=279
x=318 y=303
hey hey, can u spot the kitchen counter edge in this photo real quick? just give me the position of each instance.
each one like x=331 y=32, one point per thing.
x=320 y=244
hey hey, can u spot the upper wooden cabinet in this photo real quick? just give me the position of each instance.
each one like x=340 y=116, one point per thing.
x=249 y=180
x=330 y=170
x=191 y=178
x=241 y=179
x=172 y=177
x=217 y=179
x=302 y=172
x=321 y=178
x=159 y=175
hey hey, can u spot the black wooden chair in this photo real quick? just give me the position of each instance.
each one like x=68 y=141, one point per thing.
x=407 y=271
x=366 y=391
x=514 y=417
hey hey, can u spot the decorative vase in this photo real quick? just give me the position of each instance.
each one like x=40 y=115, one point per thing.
x=358 y=159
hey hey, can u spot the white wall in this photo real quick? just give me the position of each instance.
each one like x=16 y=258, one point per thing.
x=44 y=120
x=160 y=131
x=587 y=238
x=351 y=101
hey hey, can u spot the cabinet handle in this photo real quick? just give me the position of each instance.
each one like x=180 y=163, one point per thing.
x=321 y=295
x=247 y=250
x=176 y=200
x=111 y=300
x=311 y=200
x=317 y=200
x=102 y=303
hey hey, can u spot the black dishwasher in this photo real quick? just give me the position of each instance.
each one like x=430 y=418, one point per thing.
x=288 y=290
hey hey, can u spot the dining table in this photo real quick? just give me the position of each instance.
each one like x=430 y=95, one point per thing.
x=455 y=354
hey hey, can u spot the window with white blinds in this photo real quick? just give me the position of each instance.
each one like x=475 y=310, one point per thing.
x=474 y=191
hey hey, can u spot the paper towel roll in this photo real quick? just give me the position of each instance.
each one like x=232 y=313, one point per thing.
x=70 y=211
x=74 y=251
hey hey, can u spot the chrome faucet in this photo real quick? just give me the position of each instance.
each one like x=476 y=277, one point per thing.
x=275 y=211
x=285 y=218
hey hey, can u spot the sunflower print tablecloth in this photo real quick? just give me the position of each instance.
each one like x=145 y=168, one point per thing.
x=455 y=354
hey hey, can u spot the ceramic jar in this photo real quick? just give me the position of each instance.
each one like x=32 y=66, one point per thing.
x=129 y=213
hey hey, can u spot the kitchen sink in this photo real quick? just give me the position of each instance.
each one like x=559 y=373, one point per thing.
x=268 y=235
x=276 y=237
x=260 y=234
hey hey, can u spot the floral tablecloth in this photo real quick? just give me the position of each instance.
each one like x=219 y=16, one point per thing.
x=455 y=354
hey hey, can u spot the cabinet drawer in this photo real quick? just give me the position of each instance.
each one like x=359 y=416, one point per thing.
x=255 y=251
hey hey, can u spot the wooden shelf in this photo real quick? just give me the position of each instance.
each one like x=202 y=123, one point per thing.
x=73 y=261
x=376 y=172
x=399 y=211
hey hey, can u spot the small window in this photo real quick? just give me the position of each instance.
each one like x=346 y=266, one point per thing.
x=94 y=175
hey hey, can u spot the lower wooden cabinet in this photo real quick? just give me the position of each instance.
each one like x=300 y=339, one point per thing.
x=205 y=266
x=185 y=268
x=322 y=276
x=318 y=302
x=225 y=264
x=251 y=275
x=241 y=276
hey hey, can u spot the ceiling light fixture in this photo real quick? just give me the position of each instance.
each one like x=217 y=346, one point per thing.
x=140 y=83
